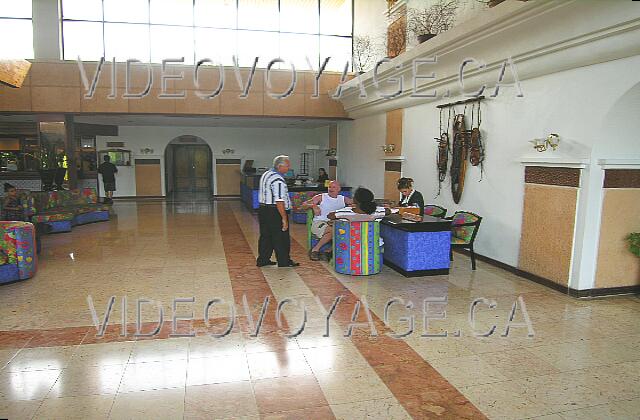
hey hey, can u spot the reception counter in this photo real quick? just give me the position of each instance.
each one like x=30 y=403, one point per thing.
x=417 y=248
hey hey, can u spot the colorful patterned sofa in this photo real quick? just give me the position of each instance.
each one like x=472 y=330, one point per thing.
x=356 y=248
x=63 y=209
x=17 y=251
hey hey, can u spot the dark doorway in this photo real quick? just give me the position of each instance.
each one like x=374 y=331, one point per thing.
x=190 y=168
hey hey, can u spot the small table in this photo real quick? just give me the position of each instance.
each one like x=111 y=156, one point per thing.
x=417 y=248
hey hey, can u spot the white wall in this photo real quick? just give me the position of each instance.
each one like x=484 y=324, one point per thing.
x=572 y=103
x=359 y=153
x=369 y=18
x=259 y=144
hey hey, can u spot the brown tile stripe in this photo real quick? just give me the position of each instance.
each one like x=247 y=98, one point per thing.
x=300 y=396
x=621 y=178
x=566 y=177
x=421 y=390
x=71 y=336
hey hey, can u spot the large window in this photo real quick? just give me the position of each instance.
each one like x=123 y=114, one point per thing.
x=153 y=30
x=16 y=30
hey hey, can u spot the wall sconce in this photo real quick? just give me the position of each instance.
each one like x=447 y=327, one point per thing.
x=146 y=151
x=541 y=145
x=228 y=151
x=388 y=148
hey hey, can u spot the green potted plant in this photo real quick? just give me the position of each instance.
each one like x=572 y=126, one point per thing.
x=430 y=21
x=634 y=243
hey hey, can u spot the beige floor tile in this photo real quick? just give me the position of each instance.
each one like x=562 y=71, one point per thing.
x=353 y=385
x=619 y=410
x=387 y=408
x=77 y=407
x=439 y=348
x=18 y=410
x=155 y=404
x=220 y=401
x=334 y=358
x=164 y=250
x=87 y=380
x=276 y=364
x=154 y=375
x=161 y=350
x=6 y=356
x=213 y=370
x=41 y=358
x=102 y=354
x=584 y=354
x=467 y=371
x=27 y=385
x=207 y=346
x=503 y=401
x=518 y=363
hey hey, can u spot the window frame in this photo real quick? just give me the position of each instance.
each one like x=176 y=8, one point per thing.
x=194 y=27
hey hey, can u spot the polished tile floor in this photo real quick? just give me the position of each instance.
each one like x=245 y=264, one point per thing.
x=582 y=362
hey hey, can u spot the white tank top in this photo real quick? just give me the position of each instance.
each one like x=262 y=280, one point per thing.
x=329 y=204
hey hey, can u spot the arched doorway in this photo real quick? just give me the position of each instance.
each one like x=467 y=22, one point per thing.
x=189 y=169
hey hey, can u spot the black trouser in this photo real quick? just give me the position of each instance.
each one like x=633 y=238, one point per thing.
x=272 y=238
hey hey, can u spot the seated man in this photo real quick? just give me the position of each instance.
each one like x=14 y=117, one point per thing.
x=322 y=205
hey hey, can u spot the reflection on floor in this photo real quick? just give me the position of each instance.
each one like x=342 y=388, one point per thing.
x=583 y=361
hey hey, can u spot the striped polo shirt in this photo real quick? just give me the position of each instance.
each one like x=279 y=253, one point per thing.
x=273 y=188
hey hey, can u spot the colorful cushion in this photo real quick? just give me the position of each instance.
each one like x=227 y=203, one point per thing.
x=52 y=217
x=88 y=196
x=433 y=210
x=463 y=233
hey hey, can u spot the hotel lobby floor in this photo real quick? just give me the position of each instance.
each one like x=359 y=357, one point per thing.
x=583 y=361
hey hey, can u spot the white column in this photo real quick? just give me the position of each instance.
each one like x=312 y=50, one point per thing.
x=46 y=30
x=587 y=230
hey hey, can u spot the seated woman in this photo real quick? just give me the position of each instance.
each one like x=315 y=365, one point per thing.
x=322 y=176
x=11 y=209
x=363 y=209
x=410 y=197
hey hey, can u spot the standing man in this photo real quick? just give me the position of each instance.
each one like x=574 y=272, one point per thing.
x=108 y=171
x=273 y=216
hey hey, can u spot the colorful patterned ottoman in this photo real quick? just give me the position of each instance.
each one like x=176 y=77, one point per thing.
x=356 y=248
x=17 y=251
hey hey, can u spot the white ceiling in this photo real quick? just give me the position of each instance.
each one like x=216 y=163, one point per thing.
x=184 y=121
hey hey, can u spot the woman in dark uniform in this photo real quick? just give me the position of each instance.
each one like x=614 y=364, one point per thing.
x=410 y=197
x=322 y=176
